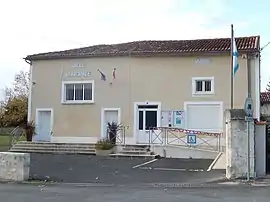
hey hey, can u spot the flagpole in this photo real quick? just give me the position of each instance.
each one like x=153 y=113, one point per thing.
x=232 y=76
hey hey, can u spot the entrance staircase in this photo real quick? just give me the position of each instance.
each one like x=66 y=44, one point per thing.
x=134 y=151
x=122 y=151
x=54 y=148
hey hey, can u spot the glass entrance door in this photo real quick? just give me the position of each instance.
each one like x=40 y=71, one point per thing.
x=147 y=119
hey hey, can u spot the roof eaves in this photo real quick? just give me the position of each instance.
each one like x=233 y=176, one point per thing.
x=135 y=53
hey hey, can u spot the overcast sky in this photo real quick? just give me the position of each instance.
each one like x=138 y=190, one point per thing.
x=33 y=26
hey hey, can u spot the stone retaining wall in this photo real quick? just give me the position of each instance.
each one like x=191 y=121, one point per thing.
x=14 y=166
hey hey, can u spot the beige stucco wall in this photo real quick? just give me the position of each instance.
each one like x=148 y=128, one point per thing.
x=164 y=79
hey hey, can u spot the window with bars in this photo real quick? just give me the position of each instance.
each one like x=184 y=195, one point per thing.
x=203 y=85
x=78 y=92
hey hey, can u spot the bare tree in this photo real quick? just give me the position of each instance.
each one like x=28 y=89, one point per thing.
x=20 y=87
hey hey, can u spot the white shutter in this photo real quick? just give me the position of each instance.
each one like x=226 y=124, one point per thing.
x=204 y=117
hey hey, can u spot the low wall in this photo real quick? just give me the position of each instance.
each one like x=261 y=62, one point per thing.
x=170 y=151
x=260 y=149
x=14 y=166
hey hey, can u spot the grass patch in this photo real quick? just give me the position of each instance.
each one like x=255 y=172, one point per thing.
x=4 y=140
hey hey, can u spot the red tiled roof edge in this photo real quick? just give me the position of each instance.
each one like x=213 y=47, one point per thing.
x=265 y=97
x=171 y=47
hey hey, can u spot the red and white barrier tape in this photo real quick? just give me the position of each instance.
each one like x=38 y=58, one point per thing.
x=186 y=131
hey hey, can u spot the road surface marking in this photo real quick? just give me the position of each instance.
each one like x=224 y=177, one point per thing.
x=170 y=169
x=214 y=162
x=143 y=164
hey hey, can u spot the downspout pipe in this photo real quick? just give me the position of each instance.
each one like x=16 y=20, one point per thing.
x=29 y=107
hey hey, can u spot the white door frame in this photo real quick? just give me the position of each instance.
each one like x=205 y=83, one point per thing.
x=103 y=110
x=204 y=103
x=135 y=111
x=45 y=110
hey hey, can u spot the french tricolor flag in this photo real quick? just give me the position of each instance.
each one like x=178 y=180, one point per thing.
x=102 y=75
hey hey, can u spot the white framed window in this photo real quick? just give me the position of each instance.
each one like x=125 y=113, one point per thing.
x=203 y=85
x=77 y=92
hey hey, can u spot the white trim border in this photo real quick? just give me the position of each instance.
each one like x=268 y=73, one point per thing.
x=103 y=110
x=257 y=110
x=204 y=103
x=45 y=110
x=194 y=79
x=135 y=115
x=77 y=101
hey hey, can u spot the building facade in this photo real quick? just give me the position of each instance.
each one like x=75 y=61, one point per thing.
x=145 y=84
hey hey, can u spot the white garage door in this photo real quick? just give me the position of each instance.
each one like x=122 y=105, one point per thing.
x=206 y=117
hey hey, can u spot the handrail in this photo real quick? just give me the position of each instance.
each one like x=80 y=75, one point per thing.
x=12 y=132
x=120 y=134
x=11 y=136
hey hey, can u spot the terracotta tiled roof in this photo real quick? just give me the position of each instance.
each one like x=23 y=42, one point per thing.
x=245 y=44
x=265 y=97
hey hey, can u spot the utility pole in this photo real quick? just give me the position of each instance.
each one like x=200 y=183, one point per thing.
x=249 y=114
x=249 y=109
x=232 y=75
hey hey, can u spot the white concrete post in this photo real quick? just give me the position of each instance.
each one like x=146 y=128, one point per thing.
x=14 y=166
x=237 y=145
x=260 y=149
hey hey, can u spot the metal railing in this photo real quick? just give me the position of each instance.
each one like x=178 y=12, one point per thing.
x=9 y=137
x=15 y=135
x=119 y=136
x=180 y=137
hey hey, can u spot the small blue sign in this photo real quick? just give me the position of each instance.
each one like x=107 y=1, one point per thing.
x=191 y=139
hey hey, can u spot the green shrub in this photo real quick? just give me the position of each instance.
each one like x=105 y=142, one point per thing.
x=21 y=138
x=29 y=130
x=104 y=144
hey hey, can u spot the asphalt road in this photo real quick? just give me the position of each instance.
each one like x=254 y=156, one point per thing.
x=62 y=193
x=94 y=169
x=187 y=164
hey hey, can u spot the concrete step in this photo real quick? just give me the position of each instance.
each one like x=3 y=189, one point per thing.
x=119 y=155
x=51 y=149
x=136 y=146
x=133 y=149
x=55 y=152
x=44 y=142
x=53 y=146
x=45 y=147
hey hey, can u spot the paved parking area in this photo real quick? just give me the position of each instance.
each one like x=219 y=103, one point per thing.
x=89 y=169
x=181 y=164
x=62 y=193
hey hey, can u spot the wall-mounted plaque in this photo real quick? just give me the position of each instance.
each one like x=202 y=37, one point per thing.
x=78 y=74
